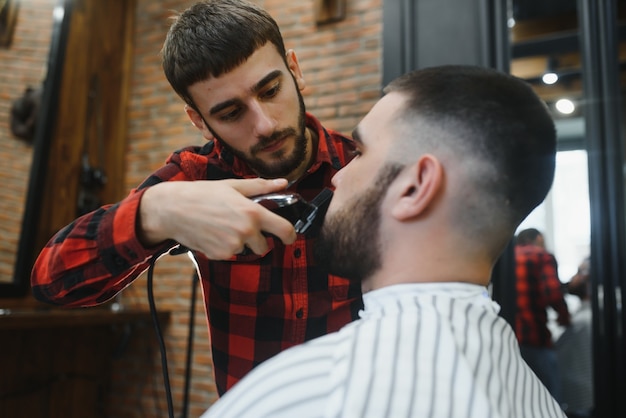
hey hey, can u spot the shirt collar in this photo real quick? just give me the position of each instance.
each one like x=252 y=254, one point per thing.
x=392 y=298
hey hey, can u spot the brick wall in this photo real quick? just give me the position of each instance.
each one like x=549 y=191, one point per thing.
x=23 y=63
x=341 y=63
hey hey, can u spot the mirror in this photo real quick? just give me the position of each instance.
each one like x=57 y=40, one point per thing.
x=31 y=59
x=547 y=51
x=78 y=63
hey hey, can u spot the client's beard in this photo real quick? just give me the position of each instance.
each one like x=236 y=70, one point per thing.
x=349 y=242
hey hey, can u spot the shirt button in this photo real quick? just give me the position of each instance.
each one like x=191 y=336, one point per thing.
x=297 y=252
x=300 y=313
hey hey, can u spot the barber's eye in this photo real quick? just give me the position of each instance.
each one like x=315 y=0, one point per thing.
x=271 y=92
x=230 y=116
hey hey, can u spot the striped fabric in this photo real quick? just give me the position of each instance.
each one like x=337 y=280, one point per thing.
x=419 y=350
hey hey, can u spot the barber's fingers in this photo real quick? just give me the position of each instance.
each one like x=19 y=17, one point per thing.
x=257 y=245
x=257 y=186
x=269 y=222
x=217 y=218
x=277 y=226
x=253 y=238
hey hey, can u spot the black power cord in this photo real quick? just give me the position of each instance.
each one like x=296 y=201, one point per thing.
x=159 y=335
x=192 y=320
x=304 y=215
x=179 y=249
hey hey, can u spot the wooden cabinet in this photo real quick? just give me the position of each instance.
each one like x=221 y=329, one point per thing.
x=58 y=363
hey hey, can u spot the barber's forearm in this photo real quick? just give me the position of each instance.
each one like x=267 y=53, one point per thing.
x=89 y=261
x=148 y=224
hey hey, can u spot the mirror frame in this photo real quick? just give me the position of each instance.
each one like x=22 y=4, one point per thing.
x=27 y=248
x=599 y=44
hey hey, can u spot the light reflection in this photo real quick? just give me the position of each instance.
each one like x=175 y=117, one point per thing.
x=58 y=13
x=565 y=106
x=550 y=78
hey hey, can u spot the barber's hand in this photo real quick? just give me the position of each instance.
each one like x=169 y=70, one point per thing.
x=564 y=320
x=215 y=217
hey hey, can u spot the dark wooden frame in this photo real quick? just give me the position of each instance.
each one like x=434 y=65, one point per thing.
x=328 y=11
x=8 y=19
x=605 y=140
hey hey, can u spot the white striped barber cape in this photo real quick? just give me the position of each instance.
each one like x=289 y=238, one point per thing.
x=419 y=350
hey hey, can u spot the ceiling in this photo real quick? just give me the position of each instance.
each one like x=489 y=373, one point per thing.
x=545 y=36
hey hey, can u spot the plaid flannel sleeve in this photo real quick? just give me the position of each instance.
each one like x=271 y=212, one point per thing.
x=93 y=258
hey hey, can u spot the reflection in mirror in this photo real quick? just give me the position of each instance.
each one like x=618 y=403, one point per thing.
x=564 y=215
x=545 y=52
x=23 y=65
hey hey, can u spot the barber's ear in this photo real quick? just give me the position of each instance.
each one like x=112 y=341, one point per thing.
x=198 y=122
x=422 y=186
x=294 y=67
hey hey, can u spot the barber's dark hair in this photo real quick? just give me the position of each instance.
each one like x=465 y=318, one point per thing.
x=527 y=236
x=213 y=37
x=498 y=120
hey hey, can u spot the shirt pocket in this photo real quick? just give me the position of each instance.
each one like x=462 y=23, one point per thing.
x=243 y=279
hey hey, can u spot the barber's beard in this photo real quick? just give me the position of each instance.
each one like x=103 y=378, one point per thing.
x=283 y=165
x=349 y=242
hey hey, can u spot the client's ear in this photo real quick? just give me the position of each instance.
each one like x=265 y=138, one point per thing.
x=424 y=181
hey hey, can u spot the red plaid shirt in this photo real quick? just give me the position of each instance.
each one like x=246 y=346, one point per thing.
x=257 y=305
x=538 y=287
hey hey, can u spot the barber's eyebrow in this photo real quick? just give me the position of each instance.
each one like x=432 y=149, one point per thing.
x=255 y=89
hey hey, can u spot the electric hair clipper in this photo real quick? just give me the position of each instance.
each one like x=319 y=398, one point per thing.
x=291 y=206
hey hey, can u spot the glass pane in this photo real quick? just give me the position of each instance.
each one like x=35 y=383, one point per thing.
x=564 y=215
x=545 y=52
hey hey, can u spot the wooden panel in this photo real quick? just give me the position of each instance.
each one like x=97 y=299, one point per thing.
x=537 y=28
x=58 y=363
x=327 y=11
x=100 y=45
x=55 y=373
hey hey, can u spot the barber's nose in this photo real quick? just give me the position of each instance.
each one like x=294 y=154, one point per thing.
x=264 y=123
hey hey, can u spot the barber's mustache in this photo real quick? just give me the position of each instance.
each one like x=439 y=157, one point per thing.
x=264 y=141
